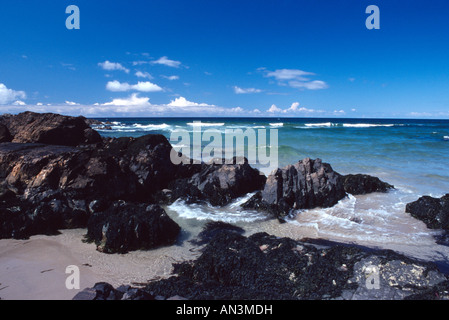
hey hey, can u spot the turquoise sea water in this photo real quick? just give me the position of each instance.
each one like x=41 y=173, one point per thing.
x=413 y=155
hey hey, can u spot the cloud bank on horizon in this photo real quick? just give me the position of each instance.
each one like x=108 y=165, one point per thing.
x=173 y=58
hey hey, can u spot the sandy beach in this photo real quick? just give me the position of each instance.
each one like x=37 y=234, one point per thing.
x=34 y=269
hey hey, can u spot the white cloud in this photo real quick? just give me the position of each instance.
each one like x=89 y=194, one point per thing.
x=421 y=114
x=138 y=63
x=274 y=109
x=239 y=90
x=171 y=77
x=237 y=110
x=311 y=85
x=147 y=86
x=293 y=107
x=183 y=102
x=132 y=100
x=9 y=95
x=111 y=66
x=71 y=103
x=295 y=78
x=19 y=103
x=288 y=74
x=141 y=74
x=167 y=62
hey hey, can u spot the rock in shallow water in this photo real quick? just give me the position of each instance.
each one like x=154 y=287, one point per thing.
x=219 y=184
x=304 y=185
x=433 y=212
x=356 y=184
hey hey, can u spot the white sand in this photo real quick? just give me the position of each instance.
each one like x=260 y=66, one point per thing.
x=34 y=269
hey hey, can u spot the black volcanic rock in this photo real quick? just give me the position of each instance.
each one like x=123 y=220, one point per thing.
x=219 y=184
x=126 y=227
x=433 y=212
x=304 y=185
x=49 y=128
x=356 y=184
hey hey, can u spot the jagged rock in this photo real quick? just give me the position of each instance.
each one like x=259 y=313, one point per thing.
x=49 y=128
x=356 y=184
x=219 y=184
x=125 y=227
x=433 y=212
x=304 y=185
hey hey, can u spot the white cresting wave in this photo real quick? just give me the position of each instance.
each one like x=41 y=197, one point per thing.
x=366 y=125
x=231 y=213
x=343 y=125
x=207 y=124
x=324 y=124
x=136 y=127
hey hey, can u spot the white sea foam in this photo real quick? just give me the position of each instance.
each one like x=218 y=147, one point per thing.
x=324 y=124
x=151 y=127
x=232 y=213
x=365 y=125
x=446 y=138
x=136 y=127
x=278 y=124
x=207 y=124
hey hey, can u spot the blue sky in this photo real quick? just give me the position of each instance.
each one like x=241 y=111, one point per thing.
x=226 y=58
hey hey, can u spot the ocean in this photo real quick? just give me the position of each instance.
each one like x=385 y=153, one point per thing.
x=413 y=155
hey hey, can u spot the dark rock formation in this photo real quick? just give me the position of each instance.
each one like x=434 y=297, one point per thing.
x=147 y=158
x=105 y=291
x=433 y=212
x=125 y=227
x=57 y=184
x=304 y=185
x=49 y=128
x=212 y=229
x=264 y=267
x=356 y=184
x=219 y=184
x=5 y=136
